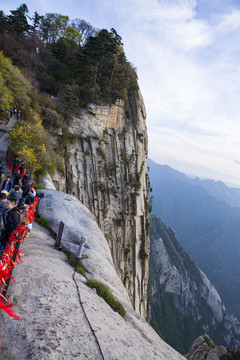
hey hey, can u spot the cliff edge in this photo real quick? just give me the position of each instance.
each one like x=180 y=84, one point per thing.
x=47 y=295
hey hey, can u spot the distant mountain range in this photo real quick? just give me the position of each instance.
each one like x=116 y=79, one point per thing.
x=206 y=217
x=183 y=304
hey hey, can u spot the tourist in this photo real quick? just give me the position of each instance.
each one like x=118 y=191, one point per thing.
x=16 y=178
x=26 y=184
x=29 y=198
x=15 y=163
x=13 y=221
x=2 y=211
x=15 y=192
x=22 y=167
x=7 y=184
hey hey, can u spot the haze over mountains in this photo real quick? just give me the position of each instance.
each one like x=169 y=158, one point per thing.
x=206 y=217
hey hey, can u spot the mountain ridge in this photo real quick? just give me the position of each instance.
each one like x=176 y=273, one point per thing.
x=206 y=226
x=217 y=188
x=183 y=304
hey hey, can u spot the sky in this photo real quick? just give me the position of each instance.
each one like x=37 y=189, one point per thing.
x=187 y=56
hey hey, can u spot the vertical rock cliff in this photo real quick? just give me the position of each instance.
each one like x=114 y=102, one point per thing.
x=106 y=168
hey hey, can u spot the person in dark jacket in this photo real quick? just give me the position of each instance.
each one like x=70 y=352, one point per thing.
x=2 y=211
x=26 y=178
x=16 y=178
x=22 y=209
x=15 y=163
x=7 y=184
x=13 y=221
x=1 y=170
x=22 y=167
x=26 y=184
x=15 y=192
x=29 y=198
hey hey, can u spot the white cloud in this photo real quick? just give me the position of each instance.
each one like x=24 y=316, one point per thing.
x=189 y=76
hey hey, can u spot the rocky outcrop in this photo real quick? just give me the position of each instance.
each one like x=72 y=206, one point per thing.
x=46 y=294
x=106 y=168
x=181 y=296
x=204 y=348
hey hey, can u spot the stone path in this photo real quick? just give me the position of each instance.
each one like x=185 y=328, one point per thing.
x=11 y=122
x=53 y=325
x=4 y=129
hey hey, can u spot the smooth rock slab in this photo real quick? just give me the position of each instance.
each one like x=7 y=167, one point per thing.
x=57 y=206
x=53 y=326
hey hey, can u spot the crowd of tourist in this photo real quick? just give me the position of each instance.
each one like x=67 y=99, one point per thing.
x=14 y=111
x=17 y=194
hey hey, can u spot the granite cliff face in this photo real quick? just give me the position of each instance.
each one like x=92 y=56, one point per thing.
x=106 y=168
x=183 y=302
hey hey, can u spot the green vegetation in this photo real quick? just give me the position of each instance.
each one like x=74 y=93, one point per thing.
x=135 y=184
x=232 y=355
x=3 y=117
x=128 y=249
x=208 y=341
x=74 y=262
x=28 y=139
x=111 y=190
x=38 y=186
x=71 y=64
x=101 y=153
x=31 y=143
x=11 y=79
x=73 y=61
x=143 y=254
x=104 y=291
x=43 y=222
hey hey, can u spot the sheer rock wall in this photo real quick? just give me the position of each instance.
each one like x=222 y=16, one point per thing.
x=107 y=170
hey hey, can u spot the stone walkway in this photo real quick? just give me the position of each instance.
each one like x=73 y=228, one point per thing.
x=53 y=325
x=11 y=122
x=4 y=129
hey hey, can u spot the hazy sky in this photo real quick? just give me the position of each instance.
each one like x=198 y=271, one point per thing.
x=187 y=55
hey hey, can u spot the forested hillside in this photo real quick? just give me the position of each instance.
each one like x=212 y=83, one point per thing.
x=57 y=66
x=67 y=58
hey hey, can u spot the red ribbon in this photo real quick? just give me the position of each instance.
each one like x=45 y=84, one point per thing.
x=9 y=162
x=6 y=258
x=7 y=309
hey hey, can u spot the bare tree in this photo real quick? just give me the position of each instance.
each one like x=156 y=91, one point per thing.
x=84 y=28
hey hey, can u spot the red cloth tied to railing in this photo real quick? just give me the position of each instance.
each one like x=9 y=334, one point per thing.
x=31 y=210
x=11 y=255
x=6 y=257
x=9 y=162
